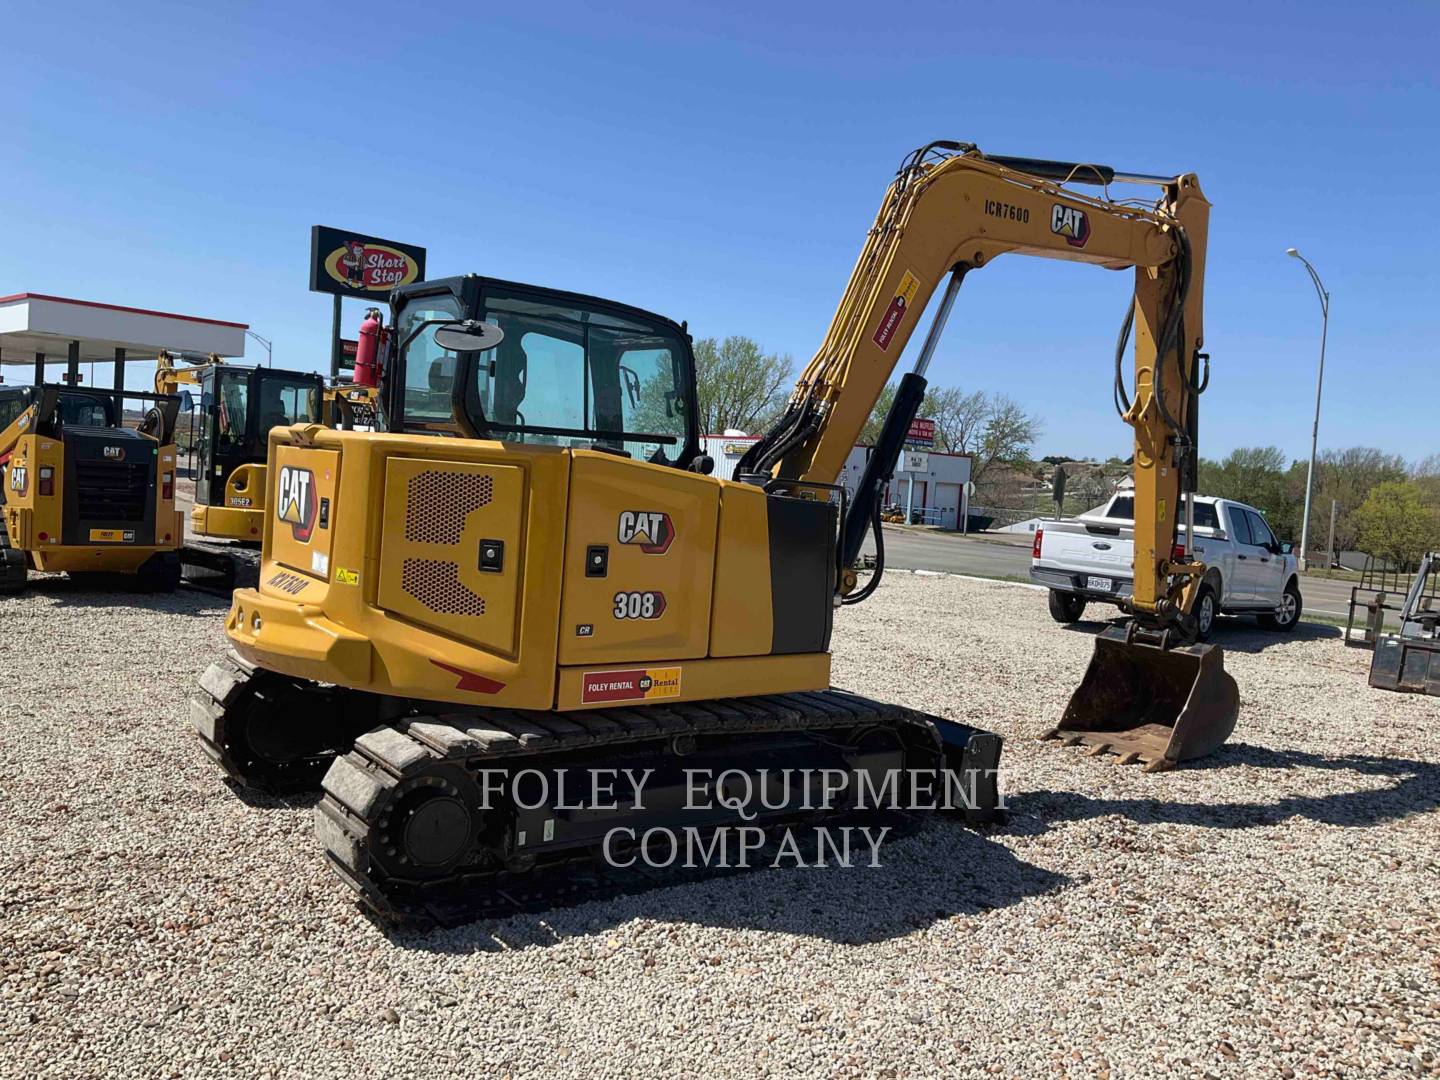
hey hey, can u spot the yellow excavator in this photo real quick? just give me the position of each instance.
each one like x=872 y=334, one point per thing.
x=529 y=571
x=238 y=405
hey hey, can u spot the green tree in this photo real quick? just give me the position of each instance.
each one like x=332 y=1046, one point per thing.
x=870 y=433
x=990 y=428
x=739 y=385
x=1006 y=438
x=1346 y=477
x=1260 y=476
x=1426 y=474
x=1395 y=524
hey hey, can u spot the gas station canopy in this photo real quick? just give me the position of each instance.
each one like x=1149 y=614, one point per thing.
x=35 y=328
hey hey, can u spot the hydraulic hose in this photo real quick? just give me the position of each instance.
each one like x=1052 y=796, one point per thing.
x=879 y=572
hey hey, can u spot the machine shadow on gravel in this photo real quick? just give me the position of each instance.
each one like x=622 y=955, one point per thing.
x=263 y=800
x=1414 y=789
x=182 y=602
x=935 y=871
x=1237 y=633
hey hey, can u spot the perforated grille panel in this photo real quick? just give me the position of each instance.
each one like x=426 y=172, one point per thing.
x=436 y=584
x=437 y=504
x=441 y=516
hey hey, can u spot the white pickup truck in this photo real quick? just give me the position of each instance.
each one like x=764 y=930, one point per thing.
x=1091 y=558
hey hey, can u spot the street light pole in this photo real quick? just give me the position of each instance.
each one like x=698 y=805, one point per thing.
x=1319 y=384
x=262 y=341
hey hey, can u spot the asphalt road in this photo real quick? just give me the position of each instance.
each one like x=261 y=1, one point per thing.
x=913 y=549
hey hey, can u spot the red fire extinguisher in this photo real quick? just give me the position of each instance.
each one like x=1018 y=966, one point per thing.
x=367 y=350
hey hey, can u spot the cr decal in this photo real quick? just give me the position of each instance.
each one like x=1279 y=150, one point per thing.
x=639 y=605
x=20 y=478
x=296 y=505
x=650 y=530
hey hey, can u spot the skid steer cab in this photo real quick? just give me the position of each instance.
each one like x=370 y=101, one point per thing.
x=85 y=494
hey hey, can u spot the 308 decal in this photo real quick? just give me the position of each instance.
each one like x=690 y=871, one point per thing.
x=639 y=605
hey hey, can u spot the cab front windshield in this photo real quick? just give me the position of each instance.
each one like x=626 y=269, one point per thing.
x=564 y=375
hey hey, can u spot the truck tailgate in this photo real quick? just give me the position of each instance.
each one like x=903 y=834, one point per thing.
x=1088 y=548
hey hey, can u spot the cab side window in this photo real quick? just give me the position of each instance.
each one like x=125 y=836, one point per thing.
x=10 y=408
x=1239 y=526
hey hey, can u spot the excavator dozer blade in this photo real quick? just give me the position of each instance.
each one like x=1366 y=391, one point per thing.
x=1151 y=704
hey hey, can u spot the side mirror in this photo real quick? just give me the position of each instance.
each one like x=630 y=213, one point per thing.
x=1221 y=534
x=1287 y=548
x=472 y=335
x=187 y=400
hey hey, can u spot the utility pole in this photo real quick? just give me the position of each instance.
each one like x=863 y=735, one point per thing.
x=1334 y=510
x=1319 y=385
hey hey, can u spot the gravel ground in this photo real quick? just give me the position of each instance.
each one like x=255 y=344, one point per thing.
x=1270 y=913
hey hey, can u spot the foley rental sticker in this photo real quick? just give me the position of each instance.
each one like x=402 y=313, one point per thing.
x=639 y=684
x=902 y=301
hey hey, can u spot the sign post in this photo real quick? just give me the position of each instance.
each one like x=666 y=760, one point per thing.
x=911 y=462
x=366 y=267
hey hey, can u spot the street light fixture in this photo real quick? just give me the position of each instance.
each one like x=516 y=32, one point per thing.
x=1319 y=383
x=262 y=341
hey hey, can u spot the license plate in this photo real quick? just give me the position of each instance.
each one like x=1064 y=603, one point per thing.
x=1103 y=584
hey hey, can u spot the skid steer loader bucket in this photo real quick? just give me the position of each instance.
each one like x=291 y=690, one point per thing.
x=1151 y=704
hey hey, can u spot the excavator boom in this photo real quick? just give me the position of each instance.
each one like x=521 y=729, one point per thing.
x=951 y=211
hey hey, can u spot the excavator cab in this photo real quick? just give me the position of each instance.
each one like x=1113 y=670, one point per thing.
x=239 y=406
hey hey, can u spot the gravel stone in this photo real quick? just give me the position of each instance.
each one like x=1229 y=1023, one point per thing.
x=1270 y=911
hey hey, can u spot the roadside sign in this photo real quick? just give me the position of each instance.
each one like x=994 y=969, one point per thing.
x=353 y=264
x=921 y=433
x=913 y=461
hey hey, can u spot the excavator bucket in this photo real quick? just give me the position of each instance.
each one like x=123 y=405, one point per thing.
x=1151 y=704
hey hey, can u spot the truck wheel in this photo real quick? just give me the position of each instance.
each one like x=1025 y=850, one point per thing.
x=1284 y=617
x=1066 y=607
x=1205 y=611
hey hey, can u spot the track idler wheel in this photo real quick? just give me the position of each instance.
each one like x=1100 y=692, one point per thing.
x=269 y=732
x=428 y=826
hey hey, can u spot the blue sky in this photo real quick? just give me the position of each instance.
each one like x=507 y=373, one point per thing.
x=722 y=163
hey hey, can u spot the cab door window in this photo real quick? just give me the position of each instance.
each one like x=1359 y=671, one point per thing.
x=1260 y=533
x=232 y=407
x=429 y=369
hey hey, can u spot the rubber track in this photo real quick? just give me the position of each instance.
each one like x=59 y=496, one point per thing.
x=357 y=788
x=219 y=686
